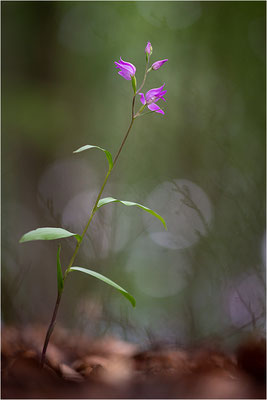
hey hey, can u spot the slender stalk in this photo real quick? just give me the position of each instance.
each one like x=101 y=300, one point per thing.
x=146 y=72
x=53 y=320
x=138 y=91
x=124 y=140
x=50 y=329
x=86 y=227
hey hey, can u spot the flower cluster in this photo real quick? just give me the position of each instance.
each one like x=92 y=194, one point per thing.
x=151 y=97
x=128 y=70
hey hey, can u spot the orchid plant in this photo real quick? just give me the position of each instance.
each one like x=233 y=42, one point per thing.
x=149 y=100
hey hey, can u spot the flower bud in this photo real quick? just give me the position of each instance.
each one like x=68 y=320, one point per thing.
x=158 y=64
x=148 y=49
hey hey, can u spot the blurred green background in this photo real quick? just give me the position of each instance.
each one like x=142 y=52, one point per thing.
x=201 y=166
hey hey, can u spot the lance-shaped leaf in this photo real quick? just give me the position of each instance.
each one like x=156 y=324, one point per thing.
x=48 y=234
x=108 y=200
x=59 y=272
x=89 y=146
x=108 y=281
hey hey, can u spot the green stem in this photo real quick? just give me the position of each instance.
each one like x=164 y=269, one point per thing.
x=146 y=72
x=53 y=320
x=50 y=328
x=138 y=114
x=86 y=227
x=124 y=140
x=138 y=91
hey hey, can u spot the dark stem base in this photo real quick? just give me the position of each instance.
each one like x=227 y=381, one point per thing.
x=50 y=329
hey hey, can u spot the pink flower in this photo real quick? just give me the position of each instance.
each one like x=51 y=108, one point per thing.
x=127 y=70
x=148 y=48
x=151 y=97
x=158 y=64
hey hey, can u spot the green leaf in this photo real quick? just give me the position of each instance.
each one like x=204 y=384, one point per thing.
x=108 y=281
x=89 y=146
x=59 y=272
x=108 y=200
x=48 y=234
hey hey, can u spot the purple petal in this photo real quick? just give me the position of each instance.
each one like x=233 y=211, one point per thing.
x=125 y=74
x=154 y=107
x=127 y=70
x=130 y=67
x=142 y=98
x=158 y=64
x=157 y=92
x=124 y=68
x=162 y=94
x=118 y=65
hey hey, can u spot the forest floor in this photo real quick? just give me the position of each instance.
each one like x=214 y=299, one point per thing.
x=80 y=367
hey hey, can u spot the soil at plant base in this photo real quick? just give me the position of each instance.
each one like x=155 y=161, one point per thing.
x=79 y=367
